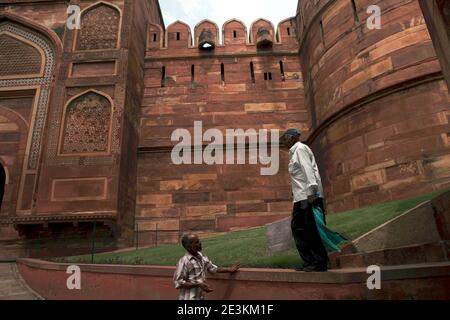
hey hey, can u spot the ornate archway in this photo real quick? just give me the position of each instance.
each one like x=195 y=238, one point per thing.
x=29 y=65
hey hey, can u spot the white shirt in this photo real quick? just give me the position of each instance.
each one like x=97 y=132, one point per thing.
x=305 y=178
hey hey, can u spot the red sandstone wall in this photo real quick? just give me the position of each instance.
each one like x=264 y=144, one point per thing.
x=50 y=14
x=219 y=198
x=376 y=101
x=380 y=107
x=155 y=283
x=85 y=182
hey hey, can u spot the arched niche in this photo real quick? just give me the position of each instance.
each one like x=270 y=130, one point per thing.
x=234 y=32
x=206 y=31
x=178 y=35
x=100 y=27
x=155 y=37
x=262 y=33
x=86 y=127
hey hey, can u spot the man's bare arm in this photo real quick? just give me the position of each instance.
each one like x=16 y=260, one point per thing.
x=232 y=269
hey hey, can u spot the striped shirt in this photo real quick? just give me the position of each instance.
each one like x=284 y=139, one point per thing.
x=191 y=269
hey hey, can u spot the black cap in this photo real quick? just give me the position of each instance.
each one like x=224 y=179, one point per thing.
x=292 y=132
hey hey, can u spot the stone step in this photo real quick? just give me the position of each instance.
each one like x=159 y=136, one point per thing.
x=19 y=297
x=12 y=286
x=421 y=253
x=417 y=281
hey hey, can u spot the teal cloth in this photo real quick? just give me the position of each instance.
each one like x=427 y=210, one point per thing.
x=331 y=239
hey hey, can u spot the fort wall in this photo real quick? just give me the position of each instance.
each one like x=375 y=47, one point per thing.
x=234 y=86
x=379 y=105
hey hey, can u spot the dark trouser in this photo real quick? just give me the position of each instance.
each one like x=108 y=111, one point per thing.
x=307 y=238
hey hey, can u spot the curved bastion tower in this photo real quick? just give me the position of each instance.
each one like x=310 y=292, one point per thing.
x=378 y=101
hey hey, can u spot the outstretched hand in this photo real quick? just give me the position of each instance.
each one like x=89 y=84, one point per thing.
x=206 y=288
x=235 y=267
x=312 y=199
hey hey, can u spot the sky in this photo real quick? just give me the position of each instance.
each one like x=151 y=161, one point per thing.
x=219 y=11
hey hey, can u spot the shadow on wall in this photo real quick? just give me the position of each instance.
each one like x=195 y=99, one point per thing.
x=2 y=183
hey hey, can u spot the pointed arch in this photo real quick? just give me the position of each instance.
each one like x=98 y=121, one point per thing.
x=21 y=58
x=206 y=21
x=234 y=20
x=31 y=137
x=51 y=36
x=170 y=28
x=96 y=33
x=286 y=20
x=197 y=31
x=49 y=44
x=253 y=30
x=225 y=28
x=179 y=22
x=152 y=28
x=282 y=23
x=86 y=126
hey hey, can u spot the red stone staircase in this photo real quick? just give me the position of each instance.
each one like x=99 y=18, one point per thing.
x=420 y=235
x=414 y=254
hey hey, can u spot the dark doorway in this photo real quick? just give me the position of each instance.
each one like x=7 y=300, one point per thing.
x=2 y=183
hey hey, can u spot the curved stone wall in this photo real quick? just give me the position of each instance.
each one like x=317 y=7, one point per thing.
x=380 y=109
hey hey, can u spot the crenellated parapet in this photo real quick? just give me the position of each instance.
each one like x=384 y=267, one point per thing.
x=179 y=39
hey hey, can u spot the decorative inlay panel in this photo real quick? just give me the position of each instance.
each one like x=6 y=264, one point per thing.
x=87 y=125
x=43 y=82
x=18 y=58
x=99 y=28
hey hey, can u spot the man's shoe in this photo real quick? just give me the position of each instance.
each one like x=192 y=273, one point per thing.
x=301 y=267
x=309 y=269
x=315 y=269
x=321 y=268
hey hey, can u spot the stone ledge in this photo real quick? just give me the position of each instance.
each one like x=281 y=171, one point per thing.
x=113 y=282
x=337 y=276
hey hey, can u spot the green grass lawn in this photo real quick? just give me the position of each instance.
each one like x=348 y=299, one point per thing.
x=248 y=246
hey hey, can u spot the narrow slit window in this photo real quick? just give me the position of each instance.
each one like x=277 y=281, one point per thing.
x=289 y=31
x=270 y=75
x=163 y=76
x=234 y=34
x=178 y=36
x=252 y=72
x=222 y=72
x=322 y=35
x=192 y=74
x=282 y=71
x=265 y=75
x=355 y=11
x=155 y=37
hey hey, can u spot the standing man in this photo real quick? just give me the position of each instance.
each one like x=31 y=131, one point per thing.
x=307 y=192
x=190 y=274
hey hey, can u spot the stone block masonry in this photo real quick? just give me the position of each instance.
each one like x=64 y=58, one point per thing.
x=86 y=116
